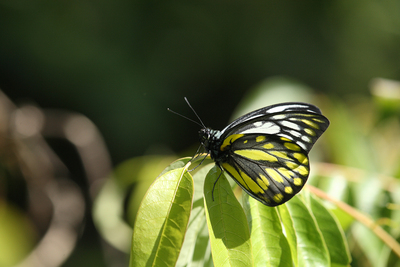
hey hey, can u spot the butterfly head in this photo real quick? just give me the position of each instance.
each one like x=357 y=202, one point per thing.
x=205 y=136
x=209 y=138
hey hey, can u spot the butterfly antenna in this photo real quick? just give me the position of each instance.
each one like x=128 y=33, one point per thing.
x=170 y=110
x=202 y=124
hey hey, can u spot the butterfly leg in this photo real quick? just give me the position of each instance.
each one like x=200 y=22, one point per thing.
x=199 y=163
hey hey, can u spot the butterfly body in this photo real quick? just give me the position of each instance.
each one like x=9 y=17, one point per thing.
x=266 y=151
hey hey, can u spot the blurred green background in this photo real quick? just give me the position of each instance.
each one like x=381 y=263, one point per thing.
x=122 y=63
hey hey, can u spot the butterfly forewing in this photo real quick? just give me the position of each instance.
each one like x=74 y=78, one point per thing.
x=290 y=107
x=302 y=128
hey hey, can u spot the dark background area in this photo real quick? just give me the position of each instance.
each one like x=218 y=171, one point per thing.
x=123 y=63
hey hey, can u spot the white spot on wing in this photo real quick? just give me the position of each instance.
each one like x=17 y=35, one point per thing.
x=265 y=128
x=291 y=125
x=303 y=146
x=306 y=138
x=278 y=117
x=286 y=136
x=295 y=133
x=283 y=107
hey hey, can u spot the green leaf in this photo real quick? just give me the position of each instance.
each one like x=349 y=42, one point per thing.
x=337 y=187
x=270 y=247
x=227 y=223
x=289 y=230
x=130 y=178
x=195 y=162
x=369 y=242
x=195 y=249
x=308 y=242
x=197 y=254
x=344 y=219
x=162 y=220
x=136 y=174
x=333 y=234
x=180 y=163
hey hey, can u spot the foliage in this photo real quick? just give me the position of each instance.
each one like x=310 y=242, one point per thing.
x=238 y=236
x=302 y=231
x=351 y=220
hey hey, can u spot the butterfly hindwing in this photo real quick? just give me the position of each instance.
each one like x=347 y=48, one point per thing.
x=268 y=168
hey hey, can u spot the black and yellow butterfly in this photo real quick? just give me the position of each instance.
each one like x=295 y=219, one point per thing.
x=266 y=151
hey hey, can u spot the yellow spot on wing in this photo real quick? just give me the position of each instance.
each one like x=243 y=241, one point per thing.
x=255 y=154
x=260 y=138
x=292 y=146
x=318 y=120
x=285 y=139
x=280 y=154
x=291 y=165
x=310 y=123
x=285 y=172
x=232 y=171
x=297 y=181
x=262 y=184
x=305 y=115
x=264 y=179
x=243 y=179
x=229 y=140
x=253 y=186
x=278 y=198
x=298 y=168
x=309 y=131
x=268 y=146
x=288 y=190
x=302 y=158
x=302 y=170
x=274 y=175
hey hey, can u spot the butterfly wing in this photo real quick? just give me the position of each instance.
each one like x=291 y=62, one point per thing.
x=269 y=168
x=266 y=151
x=299 y=122
x=273 y=109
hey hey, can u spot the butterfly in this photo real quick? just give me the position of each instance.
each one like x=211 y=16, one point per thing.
x=266 y=151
